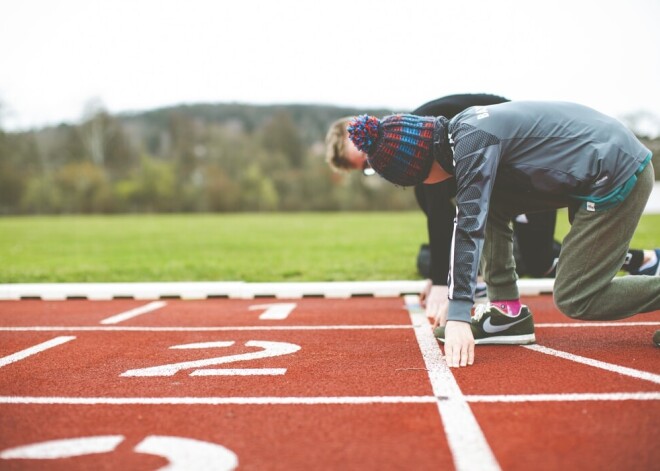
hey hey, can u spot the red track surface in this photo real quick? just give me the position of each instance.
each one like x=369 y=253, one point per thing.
x=352 y=391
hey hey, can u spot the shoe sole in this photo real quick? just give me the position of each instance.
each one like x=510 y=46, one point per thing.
x=525 y=339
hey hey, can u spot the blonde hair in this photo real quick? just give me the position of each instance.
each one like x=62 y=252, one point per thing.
x=335 y=145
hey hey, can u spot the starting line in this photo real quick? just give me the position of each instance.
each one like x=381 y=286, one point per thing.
x=294 y=327
x=313 y=401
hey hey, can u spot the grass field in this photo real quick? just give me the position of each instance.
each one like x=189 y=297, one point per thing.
x=226 y=247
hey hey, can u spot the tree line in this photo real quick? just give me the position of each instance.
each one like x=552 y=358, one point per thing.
x=190 y=158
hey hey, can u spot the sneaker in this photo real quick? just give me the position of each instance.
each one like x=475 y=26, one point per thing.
x=656 y=338
x=481 y=292
x=653 y=270
x=490 y=326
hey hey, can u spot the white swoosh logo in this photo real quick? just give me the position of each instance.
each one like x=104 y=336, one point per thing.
x=492 y=329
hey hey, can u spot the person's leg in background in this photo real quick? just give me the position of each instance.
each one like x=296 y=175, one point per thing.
x=536 y=249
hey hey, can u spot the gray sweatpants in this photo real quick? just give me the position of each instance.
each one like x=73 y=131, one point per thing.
x=586 y=286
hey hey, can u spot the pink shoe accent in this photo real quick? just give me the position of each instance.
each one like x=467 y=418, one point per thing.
x=511 y=307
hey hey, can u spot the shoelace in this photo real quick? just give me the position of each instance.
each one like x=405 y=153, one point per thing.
x=480 y=310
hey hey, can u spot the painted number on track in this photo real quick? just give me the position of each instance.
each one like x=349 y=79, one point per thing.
x=268 y=349
x=182 y=453
x=277 y=311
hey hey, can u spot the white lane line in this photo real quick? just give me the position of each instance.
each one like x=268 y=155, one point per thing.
x=348 y=400
x=597 y=324
x=321 y=400
x=568 y=397
x=199 y=329
x=138 y=311
x=467 y=443
x=240 y=372
x=654 y=378
x=14 y=357
x=263 y=328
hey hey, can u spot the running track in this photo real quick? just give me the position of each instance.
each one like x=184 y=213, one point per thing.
x=316 y=383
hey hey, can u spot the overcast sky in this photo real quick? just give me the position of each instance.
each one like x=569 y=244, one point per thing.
x=58 y=56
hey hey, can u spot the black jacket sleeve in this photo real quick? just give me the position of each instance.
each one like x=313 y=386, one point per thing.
x=436 y=201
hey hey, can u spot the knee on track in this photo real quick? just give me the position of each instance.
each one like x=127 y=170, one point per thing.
x=572 y=308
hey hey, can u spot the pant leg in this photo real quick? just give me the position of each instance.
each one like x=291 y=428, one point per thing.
x=497 y=263
x=535 y=239
x=586 y=286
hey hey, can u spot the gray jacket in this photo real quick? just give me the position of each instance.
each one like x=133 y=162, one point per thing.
x=556 y=151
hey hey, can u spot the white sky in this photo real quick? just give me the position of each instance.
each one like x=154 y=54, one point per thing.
x=57 y=56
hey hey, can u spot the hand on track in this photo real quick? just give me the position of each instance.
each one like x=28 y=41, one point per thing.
x=459 y=344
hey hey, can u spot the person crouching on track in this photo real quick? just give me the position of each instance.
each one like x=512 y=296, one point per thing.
x=523 y=157
x=535 y=249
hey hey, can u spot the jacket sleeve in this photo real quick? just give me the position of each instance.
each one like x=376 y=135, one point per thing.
x=477 y=155
x=440 y=223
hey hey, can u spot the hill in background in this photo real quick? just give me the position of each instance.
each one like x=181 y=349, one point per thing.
x=190 y=158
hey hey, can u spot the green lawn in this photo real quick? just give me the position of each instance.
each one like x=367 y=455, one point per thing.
x=227 y=247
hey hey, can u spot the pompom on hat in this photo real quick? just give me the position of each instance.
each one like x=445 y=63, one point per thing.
x=399 y=148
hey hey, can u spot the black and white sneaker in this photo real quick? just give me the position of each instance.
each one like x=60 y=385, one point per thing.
x=652 y=268
x=491 y=326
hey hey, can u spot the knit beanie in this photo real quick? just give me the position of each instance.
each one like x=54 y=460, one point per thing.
x=399 y=148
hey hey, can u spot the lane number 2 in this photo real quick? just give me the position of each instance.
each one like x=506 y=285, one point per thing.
x=268 y=350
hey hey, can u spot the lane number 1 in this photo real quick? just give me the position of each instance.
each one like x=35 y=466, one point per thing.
x=277 y=311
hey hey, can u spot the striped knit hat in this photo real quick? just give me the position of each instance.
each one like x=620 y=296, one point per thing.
x=399 y=148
